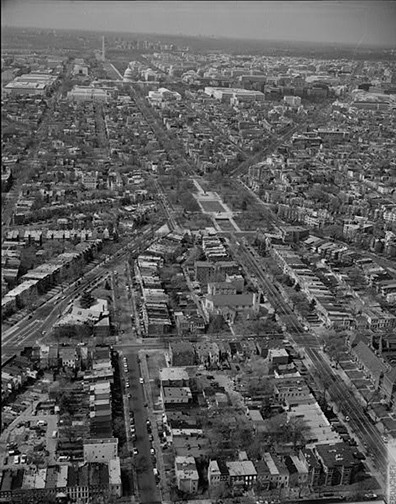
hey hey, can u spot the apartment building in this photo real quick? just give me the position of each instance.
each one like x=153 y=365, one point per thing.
x=186 y=474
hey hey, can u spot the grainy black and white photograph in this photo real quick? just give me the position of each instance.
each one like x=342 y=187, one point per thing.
x=198 y=252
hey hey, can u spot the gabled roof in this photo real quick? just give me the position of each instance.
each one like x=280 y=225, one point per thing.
x=368 y=358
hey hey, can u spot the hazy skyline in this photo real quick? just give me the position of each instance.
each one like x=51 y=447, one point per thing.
x=350 y=22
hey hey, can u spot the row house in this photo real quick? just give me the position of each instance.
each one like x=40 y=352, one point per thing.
x=272 y=472
x=379 y=319
x=235 y=473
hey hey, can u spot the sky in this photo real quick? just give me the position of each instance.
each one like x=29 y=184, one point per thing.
x=351 y=22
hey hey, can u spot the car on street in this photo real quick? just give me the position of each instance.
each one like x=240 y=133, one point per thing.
x=141 y=380
x=152 y=451
x=369 y=496
x=135 y=451
x=127 y=384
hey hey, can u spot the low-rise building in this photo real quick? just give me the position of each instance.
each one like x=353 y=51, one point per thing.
x=176 y=395
x=100 y=450
x=174 y=377
x=229 y=305
x=372 y=365
x=338 y=463
x=186 y=474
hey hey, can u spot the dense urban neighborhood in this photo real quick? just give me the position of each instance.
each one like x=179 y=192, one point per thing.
x=198 y=271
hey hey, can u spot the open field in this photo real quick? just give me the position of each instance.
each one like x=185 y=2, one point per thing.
x=212 y=206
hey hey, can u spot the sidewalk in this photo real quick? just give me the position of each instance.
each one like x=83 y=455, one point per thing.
x=341 y=373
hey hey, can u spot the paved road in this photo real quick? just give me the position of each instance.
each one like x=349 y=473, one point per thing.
x=148 y=490
x=30 y=329
x=339 y=392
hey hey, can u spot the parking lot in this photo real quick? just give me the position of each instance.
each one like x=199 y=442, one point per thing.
x=23 y=435
x=31 y=437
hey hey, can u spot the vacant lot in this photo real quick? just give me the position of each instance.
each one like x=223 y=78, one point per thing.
x=155 y=361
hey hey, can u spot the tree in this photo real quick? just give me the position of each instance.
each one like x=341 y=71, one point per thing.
x=296 y=429
x=86 y=300
x=216 y=324
x=334 y=231
x=119 y=428
x=335 y=346
x=67 y=403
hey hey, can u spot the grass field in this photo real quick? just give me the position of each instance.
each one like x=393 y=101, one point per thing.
x=212 y=206
x=225 y=225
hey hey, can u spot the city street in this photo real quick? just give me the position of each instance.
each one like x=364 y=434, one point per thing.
x=148 y=490
x=35 y=326
x=310 y=344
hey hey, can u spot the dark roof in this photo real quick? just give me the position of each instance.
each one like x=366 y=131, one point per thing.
x=223 y=467
x=6 y=480
x=52 y=477
x=338 y=454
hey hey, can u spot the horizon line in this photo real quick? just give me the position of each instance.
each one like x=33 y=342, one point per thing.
x=208 y=37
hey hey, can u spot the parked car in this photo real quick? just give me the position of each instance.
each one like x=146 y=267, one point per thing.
x=135 y=451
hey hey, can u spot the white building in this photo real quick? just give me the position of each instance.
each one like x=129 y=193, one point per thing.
x=82 y=93
x=100 y=450
x=186 y=474
x=293 y=101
